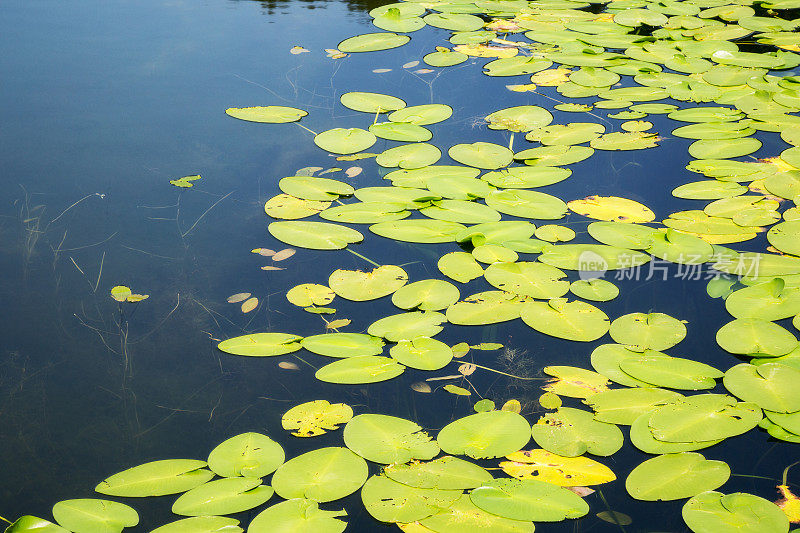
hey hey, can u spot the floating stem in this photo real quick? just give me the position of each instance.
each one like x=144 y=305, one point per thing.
x=367 y=259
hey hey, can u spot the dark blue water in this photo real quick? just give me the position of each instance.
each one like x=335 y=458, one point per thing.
x=103 y=104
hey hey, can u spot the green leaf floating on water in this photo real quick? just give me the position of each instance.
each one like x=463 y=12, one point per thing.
x=460 y=266
x=624 y=406
x=201 y=524
x=598 y=290
x=573 y=432
x=223 y=496
x=407 y=325
x=460 y=211
x=750 y=336
x=366 y=212
x=770 y=300
x=261 y=344
x=248 y=455
x=343 y=344
x=418 y=230
x=314 y=235
x=372 y=42
x=409 y=156
x=496 y=232
x=422 y=353
x=648 y=331
x=296 y=515
x=465 y=517
x=673 y=372
x=527 y=204
x=445 y=58
x=371 y=102
x=446 y=473
x=388 y=439
x=38 y=525
x=401 y=131
x=272 y=114
x=422 y=115
x=485 y=435
x=520 y=118
x=321 y=475
x=94 y=516
x=389 y=501
x=536 y=280
x=344 y=140
x=703 y=417
x=454 y=21
x=314 y=418
x=489 y=307
x=577 y=320
x=311 y=188
x=156 y=478
x=286 y=206
x=426 y=295
x=526 y=177
x=771 y=386
x=481 y=155
x=714 y=512
x=785 y=237
x=533 y=500
x=607 y=358
x=359 y=370
x=676 y=476
x=361 y=286
x=592 y=257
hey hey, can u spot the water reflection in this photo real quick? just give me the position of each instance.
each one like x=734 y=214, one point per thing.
x=270 y=6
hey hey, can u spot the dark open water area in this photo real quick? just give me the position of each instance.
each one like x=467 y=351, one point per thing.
x=104 y=102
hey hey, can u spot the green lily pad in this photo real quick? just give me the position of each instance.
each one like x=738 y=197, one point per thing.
x=527 y=204
x=261 y=344
x=422 y=353
x=446 y=473
x=771 y=386
x=723 y=149
x=536 y=280
x=426 y=295
x=321 y=475
x=314 y=235
x=454 y=21
x=372 y=42
x=422 y=115
x=271 y=114
x=343 y=344
x=528 y=500
x=316 y=417
x=648 y=331
x=519 y=118
x=752 y=336
x=576 y=320
x=676 y=476
x=461 y=211
x=642 y=437
x=708 y=190
x=201 y=524
x=624 y=406
x=366 y=212
x=673 y=372
x=714 y=512
x=407 y=325
x=248 y=455
x=288 y=207
x=371 y=102
x=459 y=266
x=589 y=258
x=311 y=188
x=571 y=432
x=361 y=286
x=481 y=155
x=223 y=496
x=39 y=525
x=526 y=177
x=401 y=131
x=156 y=478
x=388 y=439
x=485 y=435
x=606 y=360
x=389 y=501
x=344 y=140
x=596 y=290
x=444 y=58
x=359 y=370
x=458 y=188
x=703 y=417
x=90 y=516
x=554 y=155
x=567 y=134
x=418 y=230
x=410 y=156
x=465 y=517
x=785 y=237
x=483 y=308
x=622 y=234
x=494 y=253
x=296 y=515
x=770 y=300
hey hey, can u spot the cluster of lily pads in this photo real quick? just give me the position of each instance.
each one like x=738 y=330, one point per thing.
x=422 y=491
x=624 y=59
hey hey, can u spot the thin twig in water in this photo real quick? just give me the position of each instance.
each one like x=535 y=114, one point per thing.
x=88 y=245
x=204 y=214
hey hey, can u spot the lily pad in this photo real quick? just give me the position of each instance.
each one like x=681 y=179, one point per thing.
x=578 y=321
x=481 y=155
x=372 y=42
x=648 y=331
x=536 y=280
x=248 y=455
x=297 y=514
x=361 y=286
x=261 y=344
x=422 y=353
x=611 y=208
x=314 y=418
x=343 y=344
x=676 y=476
x=156 y=478
x=389 y=501
x=223 y=496
x=371 y=102
x=271 y=114
x=409 y=156
x=572 y=432
x=321 y=475
x=344 y=140
x=446 y=473
x=752 y=336
x=528 y=500
x=624 y=406
x=388 y=439
x=426 y=295
x=418 y=230
x=359 y=370
x=714 y=512
x=314 y=235
x=407 y=325
x=563 y=471
x=94 y=516
x=771 y=386
x=485 y=435
x=422 y=115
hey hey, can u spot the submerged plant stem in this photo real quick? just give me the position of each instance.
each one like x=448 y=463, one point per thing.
x=500 y=372
x=367 y=259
